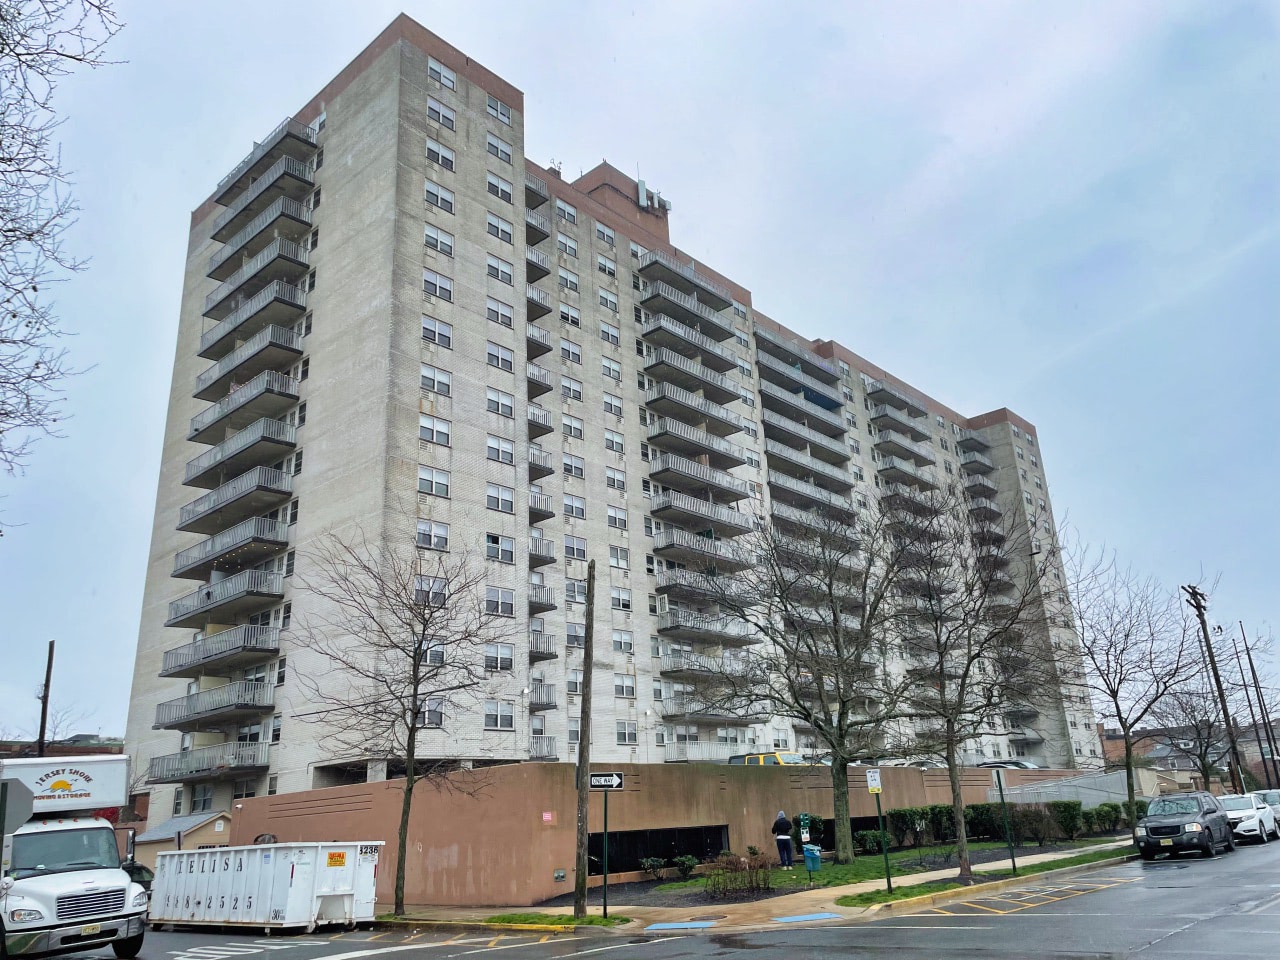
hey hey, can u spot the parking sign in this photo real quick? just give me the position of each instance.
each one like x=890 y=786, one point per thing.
x=873 y=780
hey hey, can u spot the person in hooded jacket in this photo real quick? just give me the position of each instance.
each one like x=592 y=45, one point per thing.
x=781 y=831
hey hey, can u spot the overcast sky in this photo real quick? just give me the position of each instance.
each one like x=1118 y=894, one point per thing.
x=1069 y=209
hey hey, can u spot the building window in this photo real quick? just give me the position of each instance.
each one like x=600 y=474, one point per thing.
x=570 y=315
x=499 y=715
x=570 y=388
x=177 y=802
x=607 y=299
x=497 y=227
x=438 y=153
x=622 y=641
x=611 y=369
x=438 y=72
x=574 y=683
x=604 y=234
x=499 y=312
x=499 y=402
x=499 y=269
x=568 y=280
x=619 y=557
x=437 y=112
x=498 y=110
x=575 y=634
x=500 y=357
x=432 y=715
x=624 y=684
x=433 y=429
x=438 y=239
x=499 y=656
x=243 y=789
x=438 y=196
x=627 y=730
x=614 y=441
x=437 y=285
x=574 y=466
x=437 y=331
x=619 y=598
x=500 y=450
x=613 y=404
x=500 y=498
x=615 y=479
x=566 y=244
x=435 y=380
x=433 y=482
x=609 y=333
x=606 y=266
x=571 y=426
x=498 y=187
x=575 y=548
x=433 y=535
x=202 y=798
x=497 y=147
x=566 y=212
x=575 y=506
x=575 y=729
x=500 y=601
x=273 y=785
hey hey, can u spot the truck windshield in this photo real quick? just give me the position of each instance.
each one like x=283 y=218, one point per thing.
x=36 y=854
x=1177 y=805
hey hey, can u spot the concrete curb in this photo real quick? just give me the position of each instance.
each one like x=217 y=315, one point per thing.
x=460 y=926
x=967 y=893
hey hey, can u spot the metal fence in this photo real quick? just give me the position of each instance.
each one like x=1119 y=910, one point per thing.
x=1090 y=789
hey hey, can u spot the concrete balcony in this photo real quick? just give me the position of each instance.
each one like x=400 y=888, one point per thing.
x=689 y=511
x=974 y=462
x=536 y=265
x=537 y=340
x=704 y=552
x=807 y=496
x=782 y=374
x=881 y=391
x=285 y=218
x=692 y=627
x=681 y=438
x=673 y=401
x=277 y=303
x=687 y=665
x=541 y=507
x=255 y=445
x=814 y=520
x=221 y=602
x=907 y=499
x=701 y=751
x=886 y=417
x=971 y=440
x=539 y=423
x=793 y=434
x=248 y=495
x=989 y=534
x=793 y=405
x=1000 y=582
x=795 y=354
x=543 y=646
x=896 y=445
x=286 y=177
x=658 y=297
x=281 y=260
x=542 y=696
x=270 y=348
x=540 y=465
x=245 y=544
x=290 y=138
x=216 y=707
x=978 y=485
x=270 y=394
x=221 y=761
x=537 y=303
x=792 y=462
x=537 y=379
x=535 y=190
x=688 y=476
x=691 y=375
x=541 y=551
x=1018 y=734
x=229 y=650
x=992 y=558
x=983 y=509
x=665 y=332
x=657 y=266
x=542 y=599
x=897 y=470
x=695 y=708
x=689 y=585
x=542 y=747
x=536 y=227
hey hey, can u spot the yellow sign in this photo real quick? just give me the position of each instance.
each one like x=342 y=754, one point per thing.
x=337 y=859
x=873 y=780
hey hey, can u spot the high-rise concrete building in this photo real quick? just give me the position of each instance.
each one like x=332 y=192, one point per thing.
x=459 y=346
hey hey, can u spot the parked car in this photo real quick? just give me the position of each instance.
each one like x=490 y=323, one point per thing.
x=998 y=765
x=1273 y=799
x=1251 y=818
x=773 y=759
x=1183 y=822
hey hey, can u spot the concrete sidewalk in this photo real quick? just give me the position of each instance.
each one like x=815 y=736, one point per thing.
x=814 y=905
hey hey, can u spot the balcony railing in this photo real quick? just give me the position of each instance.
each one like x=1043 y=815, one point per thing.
x=721 y=451
x=701 y=751
x=541 y=550
x=264 y=429
x=539 y=422
x=975 y=462
x=660 y=262
x=287 y=128
x=538 y=222
x=811 y=492
x=705 y=628
x=715 y=514
x=800 y=352
x=542 y=696
x=659 y=327
x=266 y=479
x=240 y=696
x=537 y=262
x=836 y=477
x=688 y=663
x=972 y=440
x=668 y=394
x=542 y=503
x=698 y=474
x=894 y=442
x=537 y=338
x=535 y=190
x=280 y=247
x=259 y=529
x=267 y=382
x=246 y=583
x=885 y=392
x=690 y=373
x=220 y=263
x=796 y=404
x=271 y=177
x=771 y=364
x=542 y=747
x=897 y=469
x=239 y=642
x=543 y=646
x=542 y=596
x=208 y=763
x=819 y=444
x=985 y=509
x=540 y=463
x=281 y=338
x=688 y=309
x=539 y=302
x=289 y=295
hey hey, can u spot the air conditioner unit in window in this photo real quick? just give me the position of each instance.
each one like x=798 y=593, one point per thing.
x=428 y=298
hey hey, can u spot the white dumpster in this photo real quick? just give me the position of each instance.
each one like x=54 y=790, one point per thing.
x=270 y=886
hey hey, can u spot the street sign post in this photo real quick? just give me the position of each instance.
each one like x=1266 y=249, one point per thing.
x=1008 y=829
x=607 y=783
x=874 y=788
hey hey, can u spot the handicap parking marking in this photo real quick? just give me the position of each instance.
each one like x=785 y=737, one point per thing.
x=1038 y=896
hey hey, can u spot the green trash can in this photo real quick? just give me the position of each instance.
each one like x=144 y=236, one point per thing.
x=812 y=857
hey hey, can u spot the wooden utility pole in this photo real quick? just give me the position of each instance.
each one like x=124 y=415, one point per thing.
x=1253 y=716
x=44 y=702
x=1198 y=603
x=1262 y=706
x=583 y=781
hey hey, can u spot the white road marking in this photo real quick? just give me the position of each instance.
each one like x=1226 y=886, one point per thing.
x=647 y=943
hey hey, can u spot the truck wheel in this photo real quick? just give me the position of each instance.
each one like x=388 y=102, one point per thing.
x=128 y=948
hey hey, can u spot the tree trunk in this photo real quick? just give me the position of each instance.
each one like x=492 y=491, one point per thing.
x=957 y=812
x=406 y=805
x=840 y=804
x=1131 y=811
x=583 y=772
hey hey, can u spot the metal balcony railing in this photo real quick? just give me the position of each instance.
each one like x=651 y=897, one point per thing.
x=701 y=508
x=542 y=695
x=690 y=305
x=798 y=402
x=542 y=596
x=797 y=349
x=284 y=207
x=262 y=429
x=255 y=528
x=976 y=459
x=285 y=166
x=543 y=646
x=244 y=638
x=830 y=391
x=241 y=693
x=267 y=336
x=820 y=468
x=287 y=127
x=275 y=290
x=538 y=335
x=210 y=762
x=537 y=296
x=279 y=247
x=809 y=435
x=687 y=271
x=729 y=359
x=811 y=491
x=711 y=550
x=542 y=747
x=687 y=620
x=707 y=409
x=213 y=595
x=543 y=548
x=268 y=381
x=537 y=185
x=701 y=751
x=710 y=476
x=538 y=221
x=678 y=428
x=694 y=369
x=687 y=663
x=276 y=480
x=898 y=397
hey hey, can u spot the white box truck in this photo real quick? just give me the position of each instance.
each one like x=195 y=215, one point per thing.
x=63 y=885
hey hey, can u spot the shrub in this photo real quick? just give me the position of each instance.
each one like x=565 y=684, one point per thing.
x=902 y=824
x=654 y=866
x=1108 y=816
x=1066 y=817
x=685 y=866
x=984 y=821
x=942 y=822
x=1089 y=821
x=733 y=876
x=871 y=841
x=1131 y=817
x=1031 y=821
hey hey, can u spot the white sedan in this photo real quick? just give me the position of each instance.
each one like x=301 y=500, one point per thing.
x=1251 y=817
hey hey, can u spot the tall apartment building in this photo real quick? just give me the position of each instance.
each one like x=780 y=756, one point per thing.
x=369 y=360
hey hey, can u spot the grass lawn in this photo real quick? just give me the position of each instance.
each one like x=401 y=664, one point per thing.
x=1091 y=857
x=591 y=920
x=872 y=897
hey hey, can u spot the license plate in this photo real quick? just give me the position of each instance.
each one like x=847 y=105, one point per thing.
x=89 y=929
x=1166 y=843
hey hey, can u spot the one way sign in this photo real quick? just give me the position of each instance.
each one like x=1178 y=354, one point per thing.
x=606 y=781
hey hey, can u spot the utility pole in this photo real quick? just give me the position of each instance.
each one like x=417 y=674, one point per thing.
x=583 y=779
x=1262 y=706
x=1198 y=602
x=44 y=702
x=1248 y=698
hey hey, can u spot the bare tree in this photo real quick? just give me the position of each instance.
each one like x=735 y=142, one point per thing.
x=1138 y=644
x=401 y=633
x=1190 y=727
x=41 y=41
